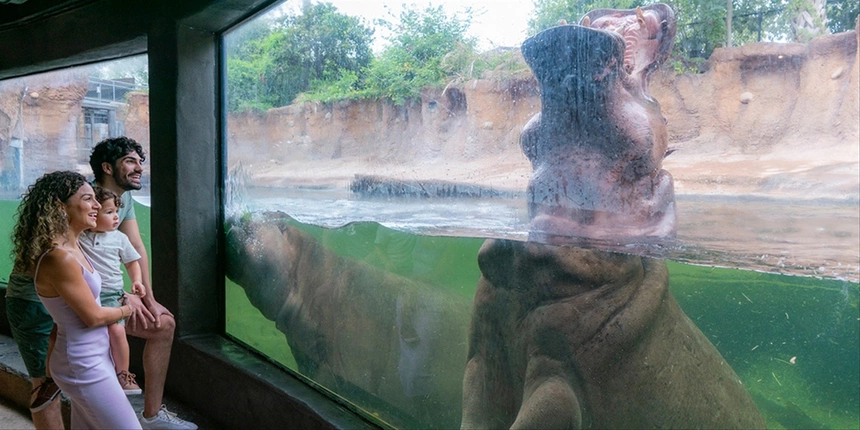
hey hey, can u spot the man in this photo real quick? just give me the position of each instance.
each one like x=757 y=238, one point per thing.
x=31 y=327
x=117 y=166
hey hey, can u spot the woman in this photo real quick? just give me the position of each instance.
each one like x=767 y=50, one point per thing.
x=51 y=215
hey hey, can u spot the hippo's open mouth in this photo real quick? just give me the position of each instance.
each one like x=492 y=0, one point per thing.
x=648 y=35
x=598 y=144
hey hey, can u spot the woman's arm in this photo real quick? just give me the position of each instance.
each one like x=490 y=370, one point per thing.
x=60 y=275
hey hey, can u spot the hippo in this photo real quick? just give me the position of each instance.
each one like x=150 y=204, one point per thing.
x=569 y=337
x=386 y=342
x=565 y=337
x=597 y=145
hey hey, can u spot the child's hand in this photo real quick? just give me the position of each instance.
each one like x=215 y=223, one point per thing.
x=138 y=289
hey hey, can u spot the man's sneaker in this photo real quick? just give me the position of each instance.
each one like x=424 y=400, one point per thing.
x=128 y=384
x=43 y=395
x=165 y=419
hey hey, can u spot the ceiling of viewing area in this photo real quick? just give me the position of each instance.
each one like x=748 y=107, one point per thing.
x=16 y=12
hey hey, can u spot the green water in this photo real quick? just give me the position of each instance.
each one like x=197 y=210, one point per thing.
x=794 y=341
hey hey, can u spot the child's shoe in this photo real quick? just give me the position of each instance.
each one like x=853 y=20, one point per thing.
x=126 y=381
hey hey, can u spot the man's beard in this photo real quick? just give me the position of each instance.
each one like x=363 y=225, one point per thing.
x=124 y=183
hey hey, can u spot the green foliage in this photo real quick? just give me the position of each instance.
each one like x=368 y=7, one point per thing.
x=681 y=65
x=842 y=15
x=426 y=48
x=702 y=23
x=548 y=13
x=347 y=86
x=325 y=56
x=421 y=39
x=465 y=63
x=270 y=62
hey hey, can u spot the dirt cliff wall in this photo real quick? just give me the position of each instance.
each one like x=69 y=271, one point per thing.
x=777 y=119
x=463 y=123
x=38 y=121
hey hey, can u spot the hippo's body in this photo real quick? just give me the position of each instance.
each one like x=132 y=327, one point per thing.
x=570 y=338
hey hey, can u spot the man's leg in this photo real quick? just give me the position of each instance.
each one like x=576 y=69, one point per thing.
x=31 y=328
x=156 y=357
x=51 y=416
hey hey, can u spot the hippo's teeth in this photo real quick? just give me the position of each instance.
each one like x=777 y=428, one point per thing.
x=629 y=41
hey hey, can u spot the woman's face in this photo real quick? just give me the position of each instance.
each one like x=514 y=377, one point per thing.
x=82 y=209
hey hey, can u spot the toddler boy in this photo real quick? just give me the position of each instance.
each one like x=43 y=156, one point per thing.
x=107 y=248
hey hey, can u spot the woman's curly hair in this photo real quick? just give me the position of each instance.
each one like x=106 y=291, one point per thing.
x=41 y=217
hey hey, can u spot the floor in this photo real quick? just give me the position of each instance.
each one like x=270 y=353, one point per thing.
x=13 y=418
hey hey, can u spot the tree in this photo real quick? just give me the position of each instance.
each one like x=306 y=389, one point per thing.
x=808 y=18
x=548 y=13
x=271 y=62
x=702 y=23
x=842 y=15
x=421 y=38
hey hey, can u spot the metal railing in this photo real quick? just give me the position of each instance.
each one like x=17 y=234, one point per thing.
x=109 y=90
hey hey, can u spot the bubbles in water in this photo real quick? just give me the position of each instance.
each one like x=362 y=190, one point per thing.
x=235 y=198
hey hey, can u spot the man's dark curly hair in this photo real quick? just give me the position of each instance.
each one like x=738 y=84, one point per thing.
x=41 y=217
x=110 y=150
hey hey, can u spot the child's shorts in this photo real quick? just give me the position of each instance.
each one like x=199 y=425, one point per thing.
x=110 y=299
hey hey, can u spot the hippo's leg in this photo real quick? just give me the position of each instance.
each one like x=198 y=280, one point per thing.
x=477 y=409
x=549 y=401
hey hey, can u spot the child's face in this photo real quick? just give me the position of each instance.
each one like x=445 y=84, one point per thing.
x=108 y=218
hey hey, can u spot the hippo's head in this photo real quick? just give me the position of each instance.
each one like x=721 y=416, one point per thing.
x=260 y=256
x=598 y=144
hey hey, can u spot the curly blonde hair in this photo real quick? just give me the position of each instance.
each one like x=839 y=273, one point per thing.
x=41 y=217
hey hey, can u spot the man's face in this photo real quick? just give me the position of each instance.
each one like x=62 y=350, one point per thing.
x=127 y=170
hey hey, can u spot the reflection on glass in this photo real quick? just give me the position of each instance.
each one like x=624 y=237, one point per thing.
x=51 y=121
x=360 y=196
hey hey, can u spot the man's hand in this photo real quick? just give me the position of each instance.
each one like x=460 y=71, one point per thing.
x=156 y=309
x=139 y=312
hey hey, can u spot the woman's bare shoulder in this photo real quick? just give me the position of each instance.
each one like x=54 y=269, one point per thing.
x=57 y=258
x=56 y=266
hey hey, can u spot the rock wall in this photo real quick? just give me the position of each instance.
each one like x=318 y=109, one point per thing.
x=457 y=125
x=770 y=118
x=38 y=121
